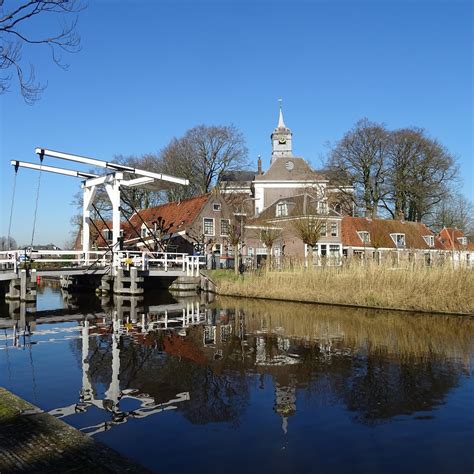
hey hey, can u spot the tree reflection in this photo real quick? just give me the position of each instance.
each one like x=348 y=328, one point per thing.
x=378 y=365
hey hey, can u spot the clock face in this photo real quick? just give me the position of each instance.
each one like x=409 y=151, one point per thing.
x=282 y=140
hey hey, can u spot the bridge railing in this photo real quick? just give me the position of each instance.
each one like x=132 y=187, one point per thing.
x=71 y=257
x=8 y=261
x=165 y=261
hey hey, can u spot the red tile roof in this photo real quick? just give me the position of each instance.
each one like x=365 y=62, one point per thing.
x=380 y=230
x=448 y=238
x=178 y=215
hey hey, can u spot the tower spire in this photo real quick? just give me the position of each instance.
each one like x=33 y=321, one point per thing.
x=281 y=123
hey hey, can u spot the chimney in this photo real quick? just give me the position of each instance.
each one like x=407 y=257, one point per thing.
x=259 y=165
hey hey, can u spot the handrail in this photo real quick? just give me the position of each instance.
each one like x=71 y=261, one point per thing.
x=188 y=264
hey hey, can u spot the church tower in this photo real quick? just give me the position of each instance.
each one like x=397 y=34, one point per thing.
x=281 y=140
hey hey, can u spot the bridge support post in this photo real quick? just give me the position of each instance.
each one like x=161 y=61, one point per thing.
x=23 y=288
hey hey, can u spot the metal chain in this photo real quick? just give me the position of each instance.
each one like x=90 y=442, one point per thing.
x=11 y=209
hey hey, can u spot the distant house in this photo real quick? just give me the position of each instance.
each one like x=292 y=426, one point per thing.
x=196 y=225
x=455 y=243
x=287 y=176
x=380 y=238
x=282 y=216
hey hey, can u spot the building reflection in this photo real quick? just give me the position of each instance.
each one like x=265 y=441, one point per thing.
x=203 y=359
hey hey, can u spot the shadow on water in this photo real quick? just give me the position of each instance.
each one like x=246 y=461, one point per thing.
x=188 y=364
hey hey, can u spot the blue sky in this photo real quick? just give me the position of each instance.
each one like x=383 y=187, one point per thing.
x=150 y=70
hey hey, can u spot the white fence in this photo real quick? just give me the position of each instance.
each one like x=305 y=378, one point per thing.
x=164 y=261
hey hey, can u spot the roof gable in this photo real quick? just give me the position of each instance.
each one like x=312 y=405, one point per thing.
x=298 y=171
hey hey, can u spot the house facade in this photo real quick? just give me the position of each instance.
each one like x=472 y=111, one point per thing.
x=288 y=175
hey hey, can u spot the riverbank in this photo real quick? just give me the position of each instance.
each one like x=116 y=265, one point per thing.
x=434 y=289
x=33 y=441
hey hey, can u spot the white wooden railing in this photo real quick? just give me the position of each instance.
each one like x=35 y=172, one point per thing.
x=165 y=261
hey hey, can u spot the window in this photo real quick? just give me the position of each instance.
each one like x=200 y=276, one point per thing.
x=333 y=229
x=281 y=209
x=250 y=252
x=121 y=233
x=462 y=240
x=225 y=226
x=322 y=207
x=144 y=231
x=109 y=235
x=334 y=250
x=399 y=240
x=429 y=239
x=216 y=207
x=324 y=230
x=208 y=225
x=364 y=236
x=217 y=248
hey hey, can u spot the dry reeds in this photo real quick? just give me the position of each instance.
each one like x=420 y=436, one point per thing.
x=408 y=286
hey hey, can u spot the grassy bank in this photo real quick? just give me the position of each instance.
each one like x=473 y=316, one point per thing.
x=416 y=288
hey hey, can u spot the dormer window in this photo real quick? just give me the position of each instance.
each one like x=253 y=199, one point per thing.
x=398 y=240
x=462 y=240
x=109 y=235
x=282 y=209
x=144 y=231
x=429 y=239
x=364 y=236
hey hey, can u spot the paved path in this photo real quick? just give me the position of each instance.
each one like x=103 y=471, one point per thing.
x=31 y=441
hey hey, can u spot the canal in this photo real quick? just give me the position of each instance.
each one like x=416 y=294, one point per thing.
x=234 y=385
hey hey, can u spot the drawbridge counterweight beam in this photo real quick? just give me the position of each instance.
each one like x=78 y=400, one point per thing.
x=53 y=169
x=110 y=165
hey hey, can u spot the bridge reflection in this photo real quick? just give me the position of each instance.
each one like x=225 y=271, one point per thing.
x=203 y=359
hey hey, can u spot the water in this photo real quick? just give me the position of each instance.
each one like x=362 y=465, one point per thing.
x=246 y=386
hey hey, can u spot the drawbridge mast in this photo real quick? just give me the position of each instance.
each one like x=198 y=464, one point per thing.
x=111 y=181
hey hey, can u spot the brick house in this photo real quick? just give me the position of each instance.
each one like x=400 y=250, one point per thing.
x=282 y=216
x=287 y=176
x=456 y=244
x=378 y=238
x=197 y=225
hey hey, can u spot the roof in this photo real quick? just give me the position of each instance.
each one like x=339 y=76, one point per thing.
x=177 y=215
x=296 y=207
x=380 y=230
x=449 y=239
x=239 y=176
x=278 y=171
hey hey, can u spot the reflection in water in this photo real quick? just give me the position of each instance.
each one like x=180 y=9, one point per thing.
x=208 y=361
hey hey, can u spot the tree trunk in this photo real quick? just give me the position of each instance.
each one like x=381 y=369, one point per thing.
x=236 y=263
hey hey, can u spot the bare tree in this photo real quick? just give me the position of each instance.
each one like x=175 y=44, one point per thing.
x=203 y=155
x=16 y=38
x=359 y=160
x=7 y=243
x=308 y=228
x=455 y=211
x=421 y=173
x=403 y=172
x=269 y=235
x=235 y=239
